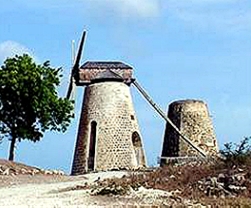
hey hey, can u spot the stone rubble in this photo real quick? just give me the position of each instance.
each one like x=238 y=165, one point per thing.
x=9 y=171
x=223 y=185
x=147 y=197
x=232 y=183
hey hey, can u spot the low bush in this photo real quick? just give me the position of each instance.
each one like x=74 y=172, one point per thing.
x=237 y=154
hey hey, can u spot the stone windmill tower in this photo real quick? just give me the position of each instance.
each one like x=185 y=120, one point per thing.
x=108 y=135
x=193 y=120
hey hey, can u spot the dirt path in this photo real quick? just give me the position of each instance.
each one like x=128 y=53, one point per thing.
x=43 y=195
x=52 y=191
x=24 y=186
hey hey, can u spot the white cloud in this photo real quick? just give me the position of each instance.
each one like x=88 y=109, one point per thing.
x=144 y=8
x=212 y=14
x=127 y=8
x=225 y=20
x=202 y=2
x=10 y=48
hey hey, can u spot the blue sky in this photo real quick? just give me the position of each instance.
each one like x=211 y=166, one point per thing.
x=180 y=49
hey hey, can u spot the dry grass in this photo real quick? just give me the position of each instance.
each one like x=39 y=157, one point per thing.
x=185 y=179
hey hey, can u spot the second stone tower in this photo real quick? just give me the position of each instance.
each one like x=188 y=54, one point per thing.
x=193 y=120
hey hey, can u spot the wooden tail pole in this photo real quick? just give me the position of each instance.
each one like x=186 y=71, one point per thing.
x=163 y=115
x=73 y=55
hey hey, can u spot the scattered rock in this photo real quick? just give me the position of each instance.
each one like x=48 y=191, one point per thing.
x=237 y=188
x=221 y=177
x=172 y=176
x=6 y=172
x=240 y=170
x=223 y=185
x=111 y=190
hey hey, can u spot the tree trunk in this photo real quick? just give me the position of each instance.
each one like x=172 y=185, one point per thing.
x=12 y=148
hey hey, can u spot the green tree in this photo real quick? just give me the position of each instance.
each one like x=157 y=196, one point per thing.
x=29 y=103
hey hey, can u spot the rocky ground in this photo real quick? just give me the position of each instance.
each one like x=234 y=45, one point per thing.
x=192 y=185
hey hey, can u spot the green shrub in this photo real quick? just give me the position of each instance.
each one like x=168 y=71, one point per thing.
x=237 y=154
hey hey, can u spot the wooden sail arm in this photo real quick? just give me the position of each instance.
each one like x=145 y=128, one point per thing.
x=163 y=115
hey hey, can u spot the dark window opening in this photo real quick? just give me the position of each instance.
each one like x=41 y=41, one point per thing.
x=92 y=145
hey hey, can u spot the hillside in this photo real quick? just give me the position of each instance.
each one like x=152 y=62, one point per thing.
x=194 y=184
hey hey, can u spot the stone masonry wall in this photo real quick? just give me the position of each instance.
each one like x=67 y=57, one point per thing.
x=109 y=104
x=193 y=120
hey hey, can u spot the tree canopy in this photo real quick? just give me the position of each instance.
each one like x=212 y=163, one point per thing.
x=29 y=102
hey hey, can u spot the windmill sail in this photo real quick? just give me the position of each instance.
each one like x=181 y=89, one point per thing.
x=74 y=72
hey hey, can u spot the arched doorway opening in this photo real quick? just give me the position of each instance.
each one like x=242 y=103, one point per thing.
x=137 y=146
